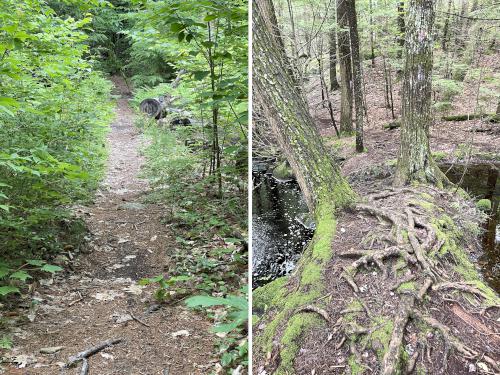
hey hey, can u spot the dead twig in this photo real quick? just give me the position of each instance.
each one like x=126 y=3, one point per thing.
x=91 y=351
x=137 y=319
x=77 y=300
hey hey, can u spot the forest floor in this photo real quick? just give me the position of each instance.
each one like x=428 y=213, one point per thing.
x=100 y=299
x=379 y=293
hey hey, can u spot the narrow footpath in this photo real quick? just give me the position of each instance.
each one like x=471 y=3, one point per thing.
x=101 y=300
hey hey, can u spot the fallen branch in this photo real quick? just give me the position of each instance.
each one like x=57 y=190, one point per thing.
x=91 y=351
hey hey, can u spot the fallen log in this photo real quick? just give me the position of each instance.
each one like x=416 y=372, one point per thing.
x=467 y=117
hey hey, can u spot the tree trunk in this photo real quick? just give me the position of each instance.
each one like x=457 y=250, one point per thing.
x=286 y=110
x=345 y=68
x=372 y=36
x=401 y=26
x=415 y=162
x=332 y=50
x=357 y=73
x=444 y=41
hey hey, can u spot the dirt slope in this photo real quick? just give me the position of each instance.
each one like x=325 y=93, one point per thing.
x=96 y=302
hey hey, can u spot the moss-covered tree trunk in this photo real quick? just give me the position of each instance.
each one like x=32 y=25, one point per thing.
x=332 y=50
x=286 y=109
x=345 y=68
x=357 y=72
x=415 y=162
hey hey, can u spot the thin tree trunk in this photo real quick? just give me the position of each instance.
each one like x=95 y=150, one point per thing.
x=372 y=36
x=444 y=41
x=357 y=73
x=317 y=174
x=345 y=69
x=332 y=50
x=401 y=26
x=415 y=162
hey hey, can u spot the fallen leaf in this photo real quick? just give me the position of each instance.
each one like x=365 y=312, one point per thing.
x=134 y=289
x=51 y=350
x=183 y=332
x=107 y=356
x=24 y=360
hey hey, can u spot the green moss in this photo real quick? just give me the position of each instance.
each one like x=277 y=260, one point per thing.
x=449 y=234
x=484 y=204
x=439 y=155
x=409 y=286
x=427 y=197
x=355 y=367
x=283 y=171
x=381 y=335
x=428 y=206
x=309 y=271
x=391 y=162
x=269 y=294
x=297 y=325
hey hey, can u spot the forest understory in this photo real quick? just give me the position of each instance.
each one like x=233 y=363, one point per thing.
x=98 y=298
x=391 y=285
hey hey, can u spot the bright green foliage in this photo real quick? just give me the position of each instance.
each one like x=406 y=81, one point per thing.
x=484 y=204
x=54 y=111
x=207 y=40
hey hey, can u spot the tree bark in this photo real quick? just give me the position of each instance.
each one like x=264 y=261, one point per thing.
x=285 y=108
x=415 y=162
x=332 y=50
x=357 y=72
x=345 y=68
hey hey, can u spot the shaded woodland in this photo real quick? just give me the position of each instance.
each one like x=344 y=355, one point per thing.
x=371 y=106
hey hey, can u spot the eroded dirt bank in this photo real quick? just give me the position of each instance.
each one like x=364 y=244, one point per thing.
x=100 y=299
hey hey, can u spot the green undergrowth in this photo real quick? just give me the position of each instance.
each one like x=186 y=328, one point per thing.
x=277 y=296
x=209 y=256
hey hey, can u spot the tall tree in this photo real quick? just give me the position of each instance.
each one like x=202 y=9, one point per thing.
x=317 y=174
x=415 y=161
x=345 y=68
x=357 y=72
x=332 y=51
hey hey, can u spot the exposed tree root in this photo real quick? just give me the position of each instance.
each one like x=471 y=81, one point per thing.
x=321 y=312
x=467 y=352
x=463 y=287
x=390 y=362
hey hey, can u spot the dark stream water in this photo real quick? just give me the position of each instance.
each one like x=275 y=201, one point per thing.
x=278 y=237
x=483 y=181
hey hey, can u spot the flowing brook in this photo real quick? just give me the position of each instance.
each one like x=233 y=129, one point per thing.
x=278 y=231
x=101 y=300
x=279 y=235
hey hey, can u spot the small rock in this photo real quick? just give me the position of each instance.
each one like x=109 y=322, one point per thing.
x=51 y=350
x=472 y=367
x=342 y=230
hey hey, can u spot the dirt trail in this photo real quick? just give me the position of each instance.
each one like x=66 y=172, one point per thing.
x=95 y=302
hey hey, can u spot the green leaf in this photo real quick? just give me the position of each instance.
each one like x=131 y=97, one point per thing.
x=200 y=74
x=20 y=275
x=51 y=268
x=5 y=342
x=4 y=290
x=4 y=207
